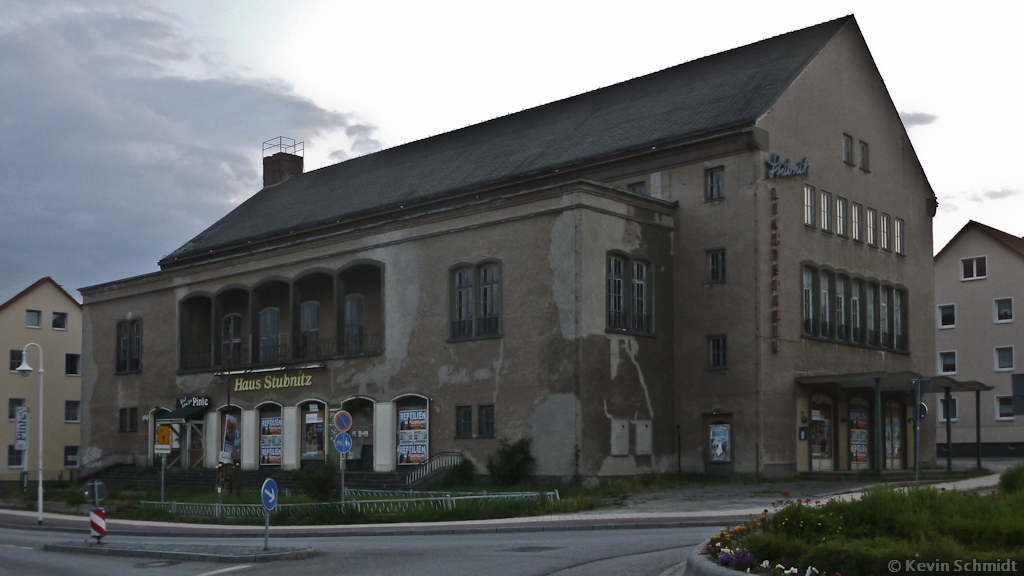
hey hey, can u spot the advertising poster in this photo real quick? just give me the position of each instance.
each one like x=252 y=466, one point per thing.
x=313 y=437
x=231 y=443
x=719 y=436
x=412 y=436
x=859 y=436
x=270 y=441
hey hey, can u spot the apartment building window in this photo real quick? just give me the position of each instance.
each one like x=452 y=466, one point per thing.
x=848 y=149
x=809 y=206
x=1003 y=310
x=72 y=364
x=973 y=268
x=841 y=325
x=489 y=276
x=629 y=294
x=823 y=303
x=716 y=266
x=71 y=456
x=60 y=321
x=871 y=220
x=883 y=317
x=808 y=291
x=872 y=324
x=1004 y=358
x=231 y=339
x=855 y=327
x=898 y=236
x=270 y=335
x=12 y=405
x=129 y=345
x=714 y=183
x=1004 y=408
x=826 y=211
x=15 y=458
x=841 y=223
x=947 y=362
x=128 y=420
x=641 y=297
x=864 y=160
x=476 y=300
x=716 y=353
x=309 y=328
x=486 y=421
x=15 y=360
x=948 y=412
x=884 y=229
x=947 y=316
x=72 y=411
x=856 y=221
x=33 y=318
x=463 y=421
x=638 y=188
x=897 y=320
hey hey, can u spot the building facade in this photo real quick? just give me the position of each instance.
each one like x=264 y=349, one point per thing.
x=719 y=267
x=46 y=315
x=977 y=282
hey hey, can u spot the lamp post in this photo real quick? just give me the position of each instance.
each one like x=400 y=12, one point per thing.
x=24 y=370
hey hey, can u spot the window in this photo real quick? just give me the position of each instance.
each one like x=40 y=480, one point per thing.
x=808 y=290
x=857 y=333
x=856 y=220
x=72 y=411
x=1004 y=408
x=476 y=300
x=60 y=321
x=638 y=188
x=809 y=206
x=947 y=362
x=872 y=238
x=848 y=149
x=947 y=412
x=716 y=266
x=947 y=316
x=1004 y=358
x=463 y=421
x=883 y=317
x=15 y=360
x=841 y=227
x=487 y=421
x=716 y=352
x=71 y=456
x=826 y=211
x=72 y=364
x=354 y=308
x=33 y=319
x=14 y=457
x=270 y=335
x=714 y=183
x=129 y=346
x=973 y=268
x=884 y=229
x=630 y=311
x=1004 y=310
x=12 y=404
x=898 y=236
x=897 y=319
x=128 y=420
x=864 y=164
x=231 y=339
x=841 y=330
x=823 y=303
x=872 y=324
x=309 y=329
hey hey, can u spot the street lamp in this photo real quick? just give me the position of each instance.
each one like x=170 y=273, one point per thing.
x=24 y=370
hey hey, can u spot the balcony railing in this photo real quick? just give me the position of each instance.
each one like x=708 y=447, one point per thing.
x=354 y=343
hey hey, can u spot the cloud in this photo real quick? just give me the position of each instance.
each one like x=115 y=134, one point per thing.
x=1000 y=194
x=911 y=119
x=119 y=141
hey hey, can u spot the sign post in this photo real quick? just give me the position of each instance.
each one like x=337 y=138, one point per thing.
x=343 y=443
x=921 y=386
x=163 y=448
x=269 y=495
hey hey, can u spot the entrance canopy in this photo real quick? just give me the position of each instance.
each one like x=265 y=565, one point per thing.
x=891 y=382
x=182 y=415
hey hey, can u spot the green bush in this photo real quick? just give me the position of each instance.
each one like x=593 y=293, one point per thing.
x=318 y=482
x=512 y=464
x=460 y=475
x=1012 y=479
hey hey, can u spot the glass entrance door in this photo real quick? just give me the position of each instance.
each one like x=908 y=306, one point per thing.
x=821 y=434
x=892 y=414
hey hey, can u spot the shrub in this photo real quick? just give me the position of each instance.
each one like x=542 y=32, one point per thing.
x=512 y=463
x=461 y=474
x=318 y=482
x=1012 y=479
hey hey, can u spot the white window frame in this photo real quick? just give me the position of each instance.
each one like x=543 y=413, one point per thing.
x=975 y=267
x=995 y=353
x=39 y=318
x=955 y=405
x=824 y=304
x=809 y=213
x=856 y=222
x=995 y=310
x=53 y=320
x=897 y=235
x=714 y=184
x=826 y=211
x=871 y=221
x=938 y=317
x=999 y=418
x=79 y=365
x=78 y=412
x=856 y=331
x=841 y=328
x=883 y=231
x=939 y=367
x=841 y=215
x=78 y=456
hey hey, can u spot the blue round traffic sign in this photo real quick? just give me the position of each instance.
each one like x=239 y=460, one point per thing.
x=342 y=421
x=269 y=494
x=343 y=442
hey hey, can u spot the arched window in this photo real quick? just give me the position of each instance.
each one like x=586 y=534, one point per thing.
x=354 y=317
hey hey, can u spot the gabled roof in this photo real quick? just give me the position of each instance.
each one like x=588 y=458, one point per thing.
x=703 y=97
x=1014 y=243
x=37 y=284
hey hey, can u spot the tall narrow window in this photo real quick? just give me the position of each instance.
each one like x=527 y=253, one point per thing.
x=309 y=329
x=841 y=222
x=129 y=346
x=872 y=237
x=487 y=321
x=486 y=421
x=716 y=352
x=270 y=335
x=809 y=214
x=856 y=221
x=848 y=149
x=476 y=301
x=808 y=289
x=898 y=236
x=355 y=307
x=855 y=325
x=823 y=303
x=716 y=266
x=884 y=229
x=714 y=183
x=616 y=288
x=864 y=160
x=231 y=340
x=841 y=326
x=463 y=421
x=641 y=298
x=897 y=319
x=872 y=324
x=883 y=317
x=629 y=294
x=826 y=211
x=462 y=303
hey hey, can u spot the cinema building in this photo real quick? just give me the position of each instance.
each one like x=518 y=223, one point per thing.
x=724 y=266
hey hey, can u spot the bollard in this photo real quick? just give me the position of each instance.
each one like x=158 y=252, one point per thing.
x=97 y=523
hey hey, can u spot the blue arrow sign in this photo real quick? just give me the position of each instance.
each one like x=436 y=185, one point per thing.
x=269 y=494
x=343 y=442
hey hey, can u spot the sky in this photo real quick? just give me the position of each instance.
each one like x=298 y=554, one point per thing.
x=127 y=127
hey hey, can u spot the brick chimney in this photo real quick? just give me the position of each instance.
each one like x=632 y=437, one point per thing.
x=284 y=161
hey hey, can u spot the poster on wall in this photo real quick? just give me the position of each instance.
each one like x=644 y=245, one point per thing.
x=720 y=443
x=859 y=436
x=270 y=441
x=412 y=436
x=313 y=437
x=230 y=444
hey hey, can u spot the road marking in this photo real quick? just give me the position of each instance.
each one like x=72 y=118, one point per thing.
x=223 y=570
x=13 y=546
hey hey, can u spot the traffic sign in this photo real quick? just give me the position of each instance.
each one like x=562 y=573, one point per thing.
x=922 y=411
x=343 y=442
x=342 y=421
x=95 y=492
x=163 y=434
x=269 y=494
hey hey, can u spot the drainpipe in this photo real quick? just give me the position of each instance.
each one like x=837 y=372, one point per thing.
x=878 y=424
x=977 y=424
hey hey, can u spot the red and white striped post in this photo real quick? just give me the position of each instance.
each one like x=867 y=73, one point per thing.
x=97 y=523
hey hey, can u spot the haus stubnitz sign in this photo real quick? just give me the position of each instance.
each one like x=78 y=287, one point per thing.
x=271 y=381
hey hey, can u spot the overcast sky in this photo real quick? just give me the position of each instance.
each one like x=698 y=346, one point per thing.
x=128 y=127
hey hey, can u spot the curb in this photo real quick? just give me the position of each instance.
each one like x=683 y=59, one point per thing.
x=259 y=556
x=698 y=564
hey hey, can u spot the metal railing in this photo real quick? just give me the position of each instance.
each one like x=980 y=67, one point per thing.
x=436 y=463
x=104 y=462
